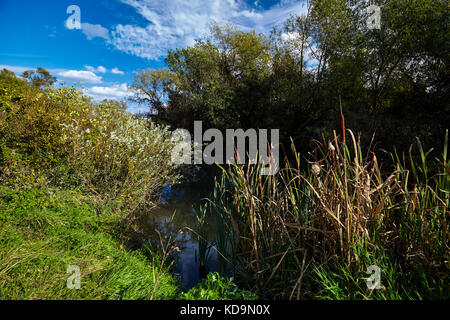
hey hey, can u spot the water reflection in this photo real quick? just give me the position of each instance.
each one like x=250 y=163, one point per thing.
x=176 y=216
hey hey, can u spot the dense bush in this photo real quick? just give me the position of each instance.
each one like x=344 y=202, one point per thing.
x=63 y=135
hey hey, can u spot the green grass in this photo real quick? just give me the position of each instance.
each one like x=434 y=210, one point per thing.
x=39 y=241
x=216 y=287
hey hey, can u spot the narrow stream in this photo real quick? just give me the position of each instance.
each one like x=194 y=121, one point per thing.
x=176 y=214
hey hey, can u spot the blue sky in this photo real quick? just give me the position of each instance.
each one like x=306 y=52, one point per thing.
x=118 y=37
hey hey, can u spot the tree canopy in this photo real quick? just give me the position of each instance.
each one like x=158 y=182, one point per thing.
x=39 y=77
x=393 y=81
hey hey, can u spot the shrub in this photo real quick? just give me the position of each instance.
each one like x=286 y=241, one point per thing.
x=61 y=134
x=120 y=156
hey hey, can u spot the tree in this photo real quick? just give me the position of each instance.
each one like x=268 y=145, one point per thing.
x=7 y=72
x=39 y=77
x=392 y=81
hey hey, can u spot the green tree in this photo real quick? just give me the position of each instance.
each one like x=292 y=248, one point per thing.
x=393 y=81
x=39 y=77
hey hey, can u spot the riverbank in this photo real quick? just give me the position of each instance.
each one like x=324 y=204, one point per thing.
x=73 y=173
x=43 y=232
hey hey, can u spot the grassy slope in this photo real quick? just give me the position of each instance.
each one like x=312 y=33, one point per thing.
x=40 y=236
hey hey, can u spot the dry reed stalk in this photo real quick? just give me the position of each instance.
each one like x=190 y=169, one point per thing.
x=342 y=122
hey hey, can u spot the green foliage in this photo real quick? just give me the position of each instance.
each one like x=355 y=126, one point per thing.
x=216 y=81
x=339 y=281
x=393 y=80
x=39 y=77
x=62 y=135
x=28 y=198
x=215 y=287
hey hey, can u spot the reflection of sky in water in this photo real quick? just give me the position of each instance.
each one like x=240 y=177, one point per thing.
x=187 y=263
x=176 y=214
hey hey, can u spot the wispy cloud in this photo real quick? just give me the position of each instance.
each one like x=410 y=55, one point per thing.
x=117 y=71
x=99 y=69
x=102 y=69
x=177 y=23
x=94 y=31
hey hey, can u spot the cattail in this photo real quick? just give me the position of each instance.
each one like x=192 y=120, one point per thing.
x=343 y=128
x=367 y=191
x=342 y=122
x=371 y=164
x=332 y=150
x=331 y=147
x=236 y=154
x=260 y=186
x=315 y=169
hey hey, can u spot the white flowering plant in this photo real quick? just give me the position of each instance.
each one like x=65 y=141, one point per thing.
x=62 y=135
x=119 y=156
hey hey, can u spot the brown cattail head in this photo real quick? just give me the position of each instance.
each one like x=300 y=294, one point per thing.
x=343 y=128
x=236 y=154
x=371 y=164
x=342 y=121
x=260 y=186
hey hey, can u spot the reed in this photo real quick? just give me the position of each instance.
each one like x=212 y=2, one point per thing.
x=203 y=244
x=312 y=230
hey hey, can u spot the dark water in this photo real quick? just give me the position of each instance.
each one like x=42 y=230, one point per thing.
x=176 y=217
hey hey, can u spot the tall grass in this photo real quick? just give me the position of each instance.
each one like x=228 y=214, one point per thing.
x=312 y=230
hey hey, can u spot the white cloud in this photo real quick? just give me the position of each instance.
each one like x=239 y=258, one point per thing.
x=177 y=23
x=99 y=69
x=85 y=76
x=94 y=30
x=116 y=92
x=117 y=71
